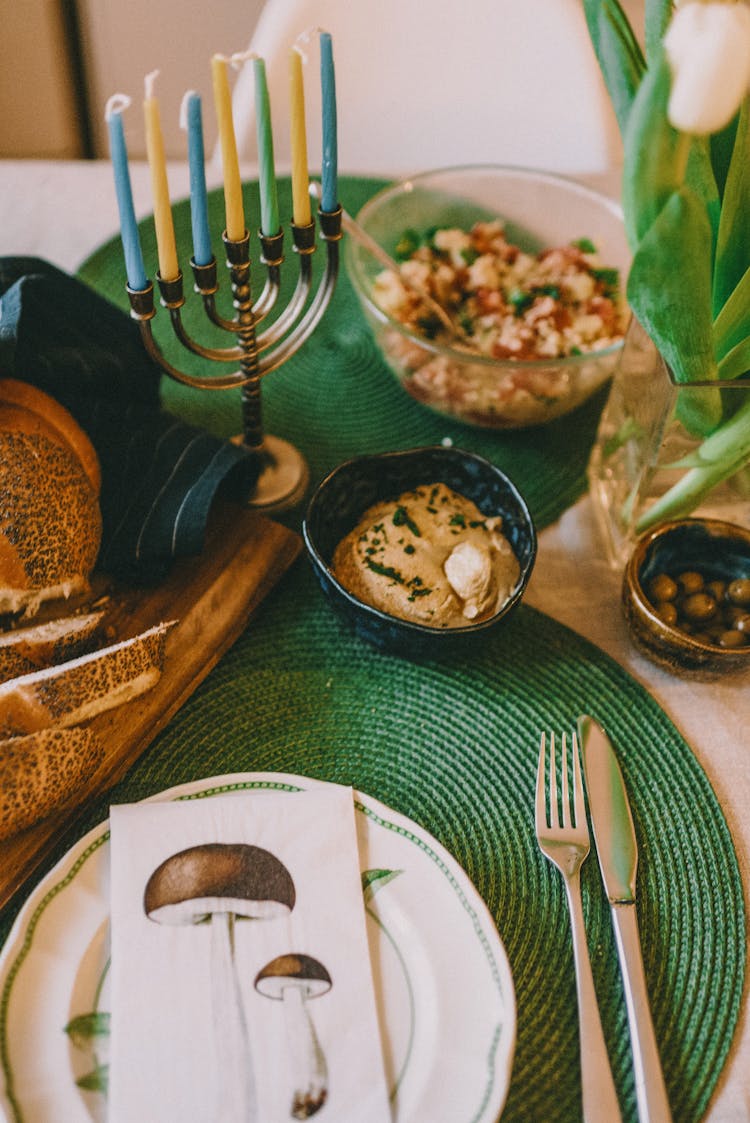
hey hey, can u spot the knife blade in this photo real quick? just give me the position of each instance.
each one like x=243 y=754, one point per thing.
x=617 y=852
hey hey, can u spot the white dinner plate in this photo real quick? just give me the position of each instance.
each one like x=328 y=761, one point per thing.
x=443 y=985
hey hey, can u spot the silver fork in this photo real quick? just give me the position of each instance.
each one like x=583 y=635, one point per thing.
x=567 y=846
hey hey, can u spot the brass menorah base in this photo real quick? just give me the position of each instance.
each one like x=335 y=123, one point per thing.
x=283 y=471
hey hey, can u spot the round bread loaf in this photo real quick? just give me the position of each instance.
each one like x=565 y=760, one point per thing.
x=50 y=522
x=42 y=773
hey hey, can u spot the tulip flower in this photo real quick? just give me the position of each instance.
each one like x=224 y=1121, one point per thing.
x=708 y=50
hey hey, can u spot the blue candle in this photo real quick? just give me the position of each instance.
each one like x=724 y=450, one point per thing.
x=269 y=203
x=329 y=177
x=190 y=119
x=131 y=243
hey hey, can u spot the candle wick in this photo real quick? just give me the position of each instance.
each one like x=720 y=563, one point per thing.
x=184 y=107
x=240 y=57
x=116 y=104
x=149 y=82
x=306 y=36
x=302 y=54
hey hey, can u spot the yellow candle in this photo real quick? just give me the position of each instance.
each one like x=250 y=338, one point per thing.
x=235 y=215
x=165 y=241
x=300 y=181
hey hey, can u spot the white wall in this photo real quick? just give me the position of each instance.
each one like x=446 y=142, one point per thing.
x=123 y=40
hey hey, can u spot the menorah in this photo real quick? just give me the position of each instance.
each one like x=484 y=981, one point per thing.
x=283 y=472
x=283 y=475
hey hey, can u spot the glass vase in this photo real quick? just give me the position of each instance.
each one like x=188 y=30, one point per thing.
x=666 y=450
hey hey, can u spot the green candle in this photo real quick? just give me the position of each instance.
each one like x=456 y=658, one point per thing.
x=269 y=203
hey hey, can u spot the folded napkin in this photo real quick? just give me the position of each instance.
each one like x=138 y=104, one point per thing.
x=241 y=981
x=159 y=475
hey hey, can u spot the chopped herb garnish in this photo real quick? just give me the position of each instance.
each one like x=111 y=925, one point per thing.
x=478 y=522
x=409 y=549
x=425 y=592
x=469 y=255
x=434 y=492
x=610 y=278
x=429 y=326
x=432 y=510
x=519 y=300
x=384 y=570
x=401 y=518
x=547 y=290
x=585 y=245
x=407 y=244
x=416 y=581
x=457 y=520
x=576 y=351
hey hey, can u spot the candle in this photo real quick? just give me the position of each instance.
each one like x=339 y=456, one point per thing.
x=329 y=178
x=165 y=243
x=235 y=215
x=301 y=213
x=131 y=243
x=190 y=119
x=269 y=203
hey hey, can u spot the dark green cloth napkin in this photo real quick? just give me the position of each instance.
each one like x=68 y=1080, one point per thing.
x=159 y=474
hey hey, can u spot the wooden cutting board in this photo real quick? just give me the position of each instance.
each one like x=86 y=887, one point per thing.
x=211 y=598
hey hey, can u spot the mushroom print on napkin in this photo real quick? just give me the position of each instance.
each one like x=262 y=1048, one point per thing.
x=241 y=980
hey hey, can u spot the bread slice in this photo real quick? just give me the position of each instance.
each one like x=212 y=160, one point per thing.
x=42 y=773
x=78 y=689
x=24 y=650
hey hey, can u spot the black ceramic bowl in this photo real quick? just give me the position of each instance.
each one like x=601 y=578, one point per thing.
x=343 y=497
x=718 y=550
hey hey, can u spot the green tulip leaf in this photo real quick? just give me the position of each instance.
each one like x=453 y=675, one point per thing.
x=657 y=14
x=733 y=241
x=732 y=324
x=669 y=290
x=618 y=53
x=652 y=171
x=736 y=362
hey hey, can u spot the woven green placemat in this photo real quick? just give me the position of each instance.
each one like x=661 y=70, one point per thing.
x=337 y=398
x=454 y=746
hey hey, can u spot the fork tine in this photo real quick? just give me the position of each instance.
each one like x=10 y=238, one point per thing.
x=565 y=790
x=540 y=810
x=580 y=804
x=553 y=816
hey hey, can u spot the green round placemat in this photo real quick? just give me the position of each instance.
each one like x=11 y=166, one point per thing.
x=454 y=746
x=336 y=397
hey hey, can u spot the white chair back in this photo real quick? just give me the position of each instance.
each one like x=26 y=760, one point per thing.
x=428 y=83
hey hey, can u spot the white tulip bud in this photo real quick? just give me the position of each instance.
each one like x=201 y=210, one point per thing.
x=708 y=49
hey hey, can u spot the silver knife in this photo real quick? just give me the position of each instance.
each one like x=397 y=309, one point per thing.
x=618 y=860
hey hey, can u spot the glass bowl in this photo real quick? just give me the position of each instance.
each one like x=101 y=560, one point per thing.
x=540 y=211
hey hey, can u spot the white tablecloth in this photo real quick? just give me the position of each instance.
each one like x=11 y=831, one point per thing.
x=62 y=211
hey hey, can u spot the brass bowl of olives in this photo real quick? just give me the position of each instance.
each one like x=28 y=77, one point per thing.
x=686 y=596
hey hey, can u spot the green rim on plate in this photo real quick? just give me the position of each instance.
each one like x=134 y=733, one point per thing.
x=454 y=745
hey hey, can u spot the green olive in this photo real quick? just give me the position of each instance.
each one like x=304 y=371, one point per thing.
x=667 y=611
x=739 y=591
x=690 y=582
x=732 y=638
x=662 y=588
x=699 y=607
x=717 y=589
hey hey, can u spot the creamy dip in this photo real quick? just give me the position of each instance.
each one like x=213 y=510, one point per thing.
x=429 y=556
